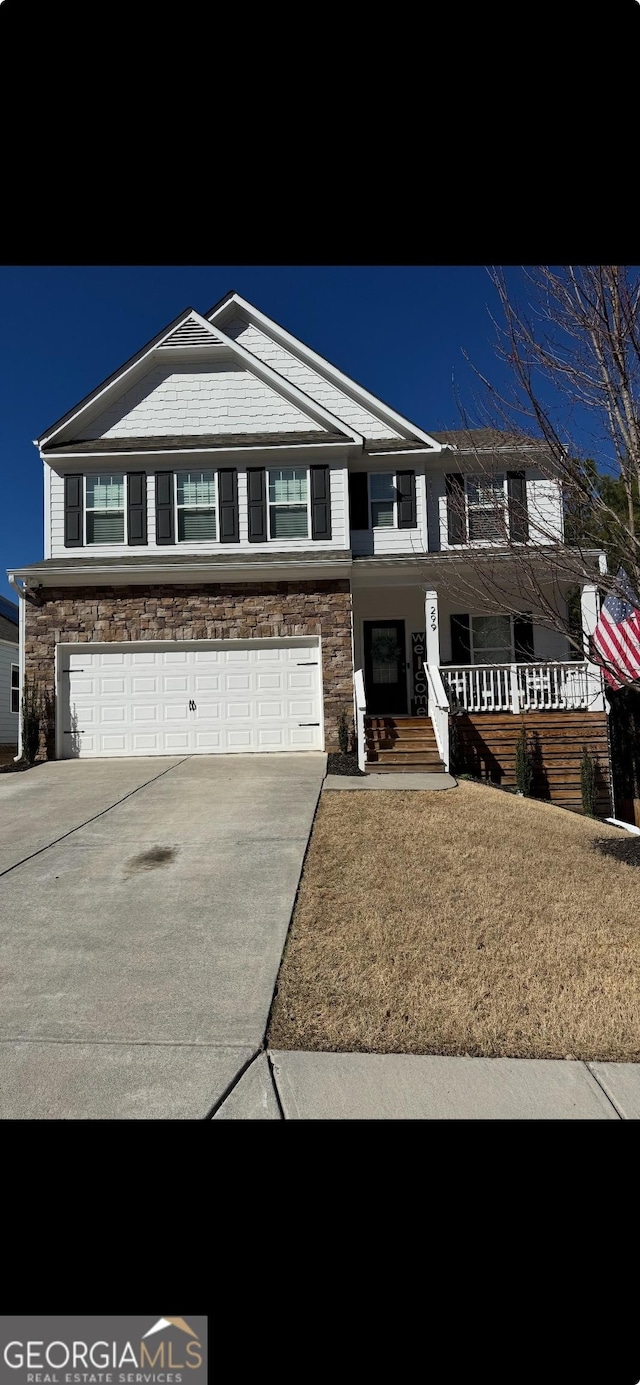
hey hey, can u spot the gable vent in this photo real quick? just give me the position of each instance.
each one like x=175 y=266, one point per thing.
x=190 y=333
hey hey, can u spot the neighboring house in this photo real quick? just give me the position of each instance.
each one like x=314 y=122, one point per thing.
x=234 y=528
x=9 y=673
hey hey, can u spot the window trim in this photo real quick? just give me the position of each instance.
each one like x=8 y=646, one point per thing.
x=14 y=710
x=300 y=537
x=86 y=511
x=475 y=476
x=482 y=615
x=177 y=508
x=372 y=502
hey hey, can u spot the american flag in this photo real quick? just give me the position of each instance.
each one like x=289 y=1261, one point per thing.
x=617 y=634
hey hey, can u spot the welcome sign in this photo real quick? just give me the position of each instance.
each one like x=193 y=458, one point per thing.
x=419 y=692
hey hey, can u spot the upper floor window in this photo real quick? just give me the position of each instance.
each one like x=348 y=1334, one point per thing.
x=382 y=492
x=105 y=509
x=196 y=504
x=487 y=506
x=288 y=503
x=15 y=688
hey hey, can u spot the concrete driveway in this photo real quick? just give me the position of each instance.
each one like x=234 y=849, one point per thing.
x=144 y=905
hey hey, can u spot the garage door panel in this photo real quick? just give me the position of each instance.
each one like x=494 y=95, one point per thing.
x=208 y=711
x=303 y=737
x=144 y=713
x=176 y=740
x=208 y=682
x=173 y=712
x=191 y=701
x=108 y=714
x=144 y=743
x=268 y=710
x=271 y=739
x=208 y=740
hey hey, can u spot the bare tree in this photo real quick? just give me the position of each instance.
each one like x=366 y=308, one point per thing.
x=572 y=354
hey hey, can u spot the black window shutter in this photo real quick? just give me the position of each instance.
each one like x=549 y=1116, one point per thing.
x=406 y=488
x=256 y=504
x=523 y=638
x=73 y=524
x=164 y=507
x=320 y=502
x=456 y=513
x=228 y=500
x=518 y=514
x=460 y=640
x=358 y=500
x=137 y=507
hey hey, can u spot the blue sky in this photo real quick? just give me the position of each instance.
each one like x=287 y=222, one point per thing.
x=398 y=330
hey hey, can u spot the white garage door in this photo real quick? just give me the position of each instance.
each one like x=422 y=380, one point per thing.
x=137 y=700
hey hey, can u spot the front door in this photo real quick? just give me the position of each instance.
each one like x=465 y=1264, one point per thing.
x=385 y=677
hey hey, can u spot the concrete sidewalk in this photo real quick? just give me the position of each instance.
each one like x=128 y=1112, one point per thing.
x=397 y=783
x=372 y=1086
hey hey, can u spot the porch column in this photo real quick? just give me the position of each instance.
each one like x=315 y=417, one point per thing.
x=432 y=627
x=590 y=608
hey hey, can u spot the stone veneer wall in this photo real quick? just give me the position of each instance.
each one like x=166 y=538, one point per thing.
x=256 y=610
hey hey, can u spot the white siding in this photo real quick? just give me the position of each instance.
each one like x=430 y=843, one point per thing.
x=544 y=502
x=200 y=398
x=544 y=499
x=339 y=517
x=309 y=380
x=384 y=542
x=9 y=654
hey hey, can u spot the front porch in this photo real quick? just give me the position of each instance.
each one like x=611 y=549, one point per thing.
x=417 y=709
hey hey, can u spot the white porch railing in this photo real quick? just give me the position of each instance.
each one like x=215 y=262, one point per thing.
x=529 y=687
x=360 y=709
x=438 y=710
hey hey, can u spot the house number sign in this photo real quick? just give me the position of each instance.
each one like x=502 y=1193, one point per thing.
x=419 y=699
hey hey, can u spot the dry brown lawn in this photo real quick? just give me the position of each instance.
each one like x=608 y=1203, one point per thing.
x=466 y=922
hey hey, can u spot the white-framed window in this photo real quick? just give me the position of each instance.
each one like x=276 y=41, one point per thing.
x=196 y=506
x=383 y=500
x=15 y=688
x=105 y=508
x=487 y=507
x=491 y=639
x=289 y=502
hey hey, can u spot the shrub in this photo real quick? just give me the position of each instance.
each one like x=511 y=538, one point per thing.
x=344 y=733
x=524 y=763
x=588 y=782
x=31 y=719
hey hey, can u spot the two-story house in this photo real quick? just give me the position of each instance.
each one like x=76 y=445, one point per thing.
x=242 y=543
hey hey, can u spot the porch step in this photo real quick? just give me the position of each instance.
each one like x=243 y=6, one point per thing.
x=401 y=745
x=413 y=766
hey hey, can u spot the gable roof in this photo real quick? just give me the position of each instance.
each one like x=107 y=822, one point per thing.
x=192 y=331
x=233 y=300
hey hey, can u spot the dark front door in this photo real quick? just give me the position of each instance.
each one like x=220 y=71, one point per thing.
x=385 y=678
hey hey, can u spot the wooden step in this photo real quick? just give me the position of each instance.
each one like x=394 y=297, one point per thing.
x=423 y=759
x=411 y=768
x=396 y=720
x=401 y=733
